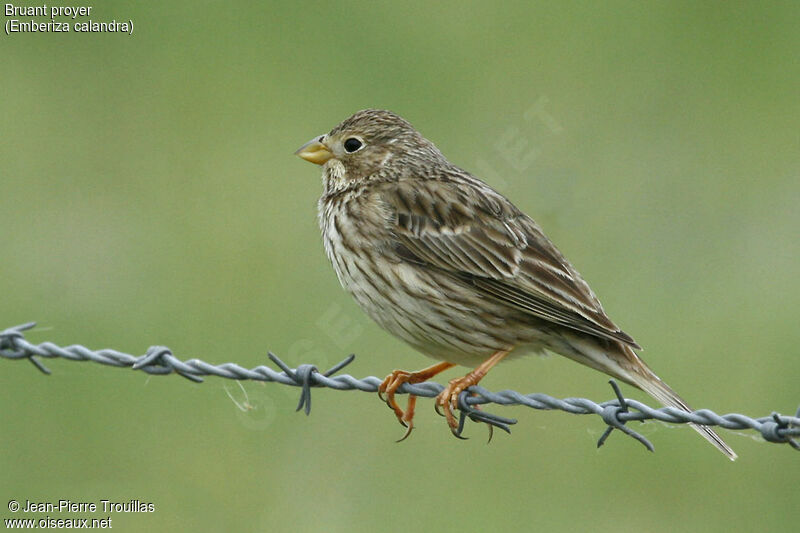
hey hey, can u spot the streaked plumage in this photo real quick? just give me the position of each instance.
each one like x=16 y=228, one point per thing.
x=441 y=260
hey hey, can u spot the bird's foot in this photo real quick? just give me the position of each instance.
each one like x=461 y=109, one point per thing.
x=389 y=387
x=394 y=381
x=447 y=400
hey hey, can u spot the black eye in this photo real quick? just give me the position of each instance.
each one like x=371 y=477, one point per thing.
x=352 y=144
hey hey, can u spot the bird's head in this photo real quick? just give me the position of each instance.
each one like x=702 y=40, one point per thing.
x=366 y=143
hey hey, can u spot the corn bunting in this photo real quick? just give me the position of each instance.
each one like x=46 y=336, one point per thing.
x=447 y=264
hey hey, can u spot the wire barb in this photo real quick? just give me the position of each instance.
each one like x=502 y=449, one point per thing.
x=159 y=360
x=611 y=416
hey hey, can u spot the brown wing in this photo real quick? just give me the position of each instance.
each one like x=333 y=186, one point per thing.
x=477 y=235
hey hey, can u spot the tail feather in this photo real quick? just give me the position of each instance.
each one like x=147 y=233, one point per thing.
x=624 y=364
x=652 y=385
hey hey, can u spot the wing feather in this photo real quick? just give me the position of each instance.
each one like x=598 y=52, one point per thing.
x=479 y=237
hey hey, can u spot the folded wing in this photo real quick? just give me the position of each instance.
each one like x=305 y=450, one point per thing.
x=475 y=236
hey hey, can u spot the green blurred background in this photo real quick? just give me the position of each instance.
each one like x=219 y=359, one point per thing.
x=150 y=196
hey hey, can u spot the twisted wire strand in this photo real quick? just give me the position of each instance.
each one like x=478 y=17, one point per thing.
x=159 y=360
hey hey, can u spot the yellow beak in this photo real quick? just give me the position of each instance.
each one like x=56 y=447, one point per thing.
x=314 y=151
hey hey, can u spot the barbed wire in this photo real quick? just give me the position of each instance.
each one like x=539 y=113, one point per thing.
x=159 y=360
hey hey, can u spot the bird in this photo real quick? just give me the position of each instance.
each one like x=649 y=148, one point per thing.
x=444 y=262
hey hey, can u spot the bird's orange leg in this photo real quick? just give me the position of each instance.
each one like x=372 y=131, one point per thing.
x=447 y=400
x=393 y=382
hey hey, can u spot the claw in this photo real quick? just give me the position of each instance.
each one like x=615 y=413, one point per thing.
x=409 y=429
x=458 y=435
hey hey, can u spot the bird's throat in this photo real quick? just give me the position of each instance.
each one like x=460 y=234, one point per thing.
x=334 y=176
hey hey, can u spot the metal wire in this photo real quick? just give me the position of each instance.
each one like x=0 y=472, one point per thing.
x=158 y=360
